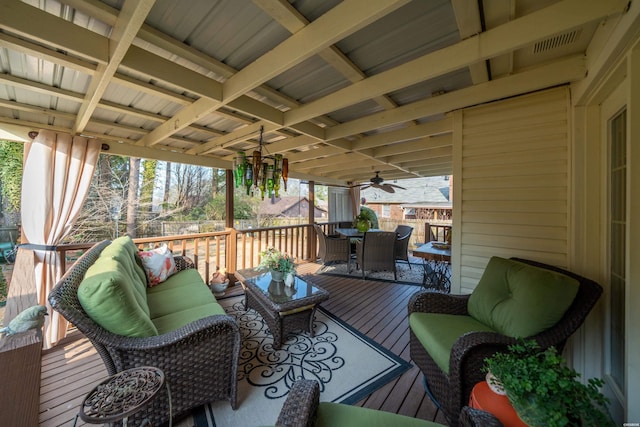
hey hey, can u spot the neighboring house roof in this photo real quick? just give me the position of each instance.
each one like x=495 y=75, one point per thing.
x=287 y=206
x=432 y=191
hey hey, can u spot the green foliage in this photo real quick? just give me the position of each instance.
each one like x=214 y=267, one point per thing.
x=544 y=391
x=148 y=183
x=273 y=259
x=243 y=207
x=367 y=213
x=11 y=172
x=3 y=290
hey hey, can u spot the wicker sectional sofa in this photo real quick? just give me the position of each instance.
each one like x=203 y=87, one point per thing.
x=176 y=326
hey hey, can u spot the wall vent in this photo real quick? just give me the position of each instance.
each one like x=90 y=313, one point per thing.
x=557 y=41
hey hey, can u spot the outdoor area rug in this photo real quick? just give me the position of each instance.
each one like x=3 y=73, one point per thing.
x=405 y=274
x=347 y=365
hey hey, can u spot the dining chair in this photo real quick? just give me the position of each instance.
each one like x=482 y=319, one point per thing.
x=401 y=249
x=332 y=248
x=376 y=252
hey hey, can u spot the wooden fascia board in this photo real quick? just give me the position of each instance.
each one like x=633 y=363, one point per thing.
x=556 y=73
x=24 y=20
x=554 y=19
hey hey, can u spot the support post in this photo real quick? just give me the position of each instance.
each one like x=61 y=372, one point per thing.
x=311 y=236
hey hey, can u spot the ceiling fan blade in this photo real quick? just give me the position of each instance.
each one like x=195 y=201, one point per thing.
x=365 y=186
x=386 y=187
x=396 y=186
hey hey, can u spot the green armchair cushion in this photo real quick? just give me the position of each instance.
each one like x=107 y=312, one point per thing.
x=111 y=300
x=438 y=332
x=336 y=414
x=520 y=300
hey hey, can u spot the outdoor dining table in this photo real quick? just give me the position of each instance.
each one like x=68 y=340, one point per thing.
x=436 y=258
x=353 y=232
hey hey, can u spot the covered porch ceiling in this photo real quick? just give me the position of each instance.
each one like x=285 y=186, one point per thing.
x=342 y=88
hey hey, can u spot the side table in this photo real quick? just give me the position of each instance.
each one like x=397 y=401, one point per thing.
x=482 y=397
x=122 y=395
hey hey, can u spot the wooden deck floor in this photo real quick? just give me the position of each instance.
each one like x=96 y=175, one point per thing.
x=377 y=309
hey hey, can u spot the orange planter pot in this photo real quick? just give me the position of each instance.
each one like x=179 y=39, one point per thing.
x=483 y=398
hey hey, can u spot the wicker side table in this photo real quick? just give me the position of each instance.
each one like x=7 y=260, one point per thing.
x=122 y=395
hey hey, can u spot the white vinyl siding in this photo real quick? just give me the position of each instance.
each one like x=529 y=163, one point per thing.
x=514 y=182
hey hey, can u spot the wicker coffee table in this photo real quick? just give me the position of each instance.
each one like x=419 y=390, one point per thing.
x=285 y=309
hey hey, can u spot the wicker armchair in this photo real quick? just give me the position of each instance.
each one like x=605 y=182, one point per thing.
x=375 y=252
x=302 y=408
x=402 y=243
x=331 y=248
x=199 y=360
x=451 y=391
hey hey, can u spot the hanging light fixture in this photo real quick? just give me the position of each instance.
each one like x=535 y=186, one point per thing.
x=263 y=172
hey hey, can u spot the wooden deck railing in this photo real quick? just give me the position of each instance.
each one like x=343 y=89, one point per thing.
x=239 y=249
x=232 y=249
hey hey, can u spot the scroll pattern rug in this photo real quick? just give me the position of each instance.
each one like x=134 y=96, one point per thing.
x=347 y=365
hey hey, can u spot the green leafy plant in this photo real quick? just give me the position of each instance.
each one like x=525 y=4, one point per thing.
x=368 y=214
x=3 y=289
x=544 y=391
x=273 y=259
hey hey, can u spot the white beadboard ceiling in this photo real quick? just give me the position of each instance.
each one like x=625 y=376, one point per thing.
x=342 y=88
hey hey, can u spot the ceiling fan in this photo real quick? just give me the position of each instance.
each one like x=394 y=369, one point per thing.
x=378 y=182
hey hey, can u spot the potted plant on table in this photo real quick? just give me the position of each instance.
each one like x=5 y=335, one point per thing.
x=366 y=219
x=544 y=391
x=280 y=265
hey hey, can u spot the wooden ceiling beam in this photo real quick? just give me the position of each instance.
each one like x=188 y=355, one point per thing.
x=129 y=21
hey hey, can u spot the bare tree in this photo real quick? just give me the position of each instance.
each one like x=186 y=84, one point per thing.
x=132 y=196
x=167 y=184
x=191 y=185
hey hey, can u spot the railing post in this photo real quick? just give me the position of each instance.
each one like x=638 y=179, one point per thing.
x=231 y=249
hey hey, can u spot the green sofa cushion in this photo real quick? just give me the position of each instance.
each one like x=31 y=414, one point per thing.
x=336 y=414
x=520 y=300
x=123 y=250
x=181 y=291
x=109 y=298
x=438 y=332
x=172 y=321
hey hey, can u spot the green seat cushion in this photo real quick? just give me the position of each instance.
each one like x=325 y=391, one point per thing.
x=181 y=291
x=438 y=332
x=107 y=295
x=172 y=321
x=336 y=414
x=520 y=300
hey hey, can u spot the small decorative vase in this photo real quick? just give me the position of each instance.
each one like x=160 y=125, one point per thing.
x=362 y=226
x=289 y=279
x=277 y=276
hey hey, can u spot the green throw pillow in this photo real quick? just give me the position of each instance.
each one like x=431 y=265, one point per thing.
x=109 y=298
x=520 y=300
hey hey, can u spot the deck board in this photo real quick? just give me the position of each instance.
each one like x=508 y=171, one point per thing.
x=376 y=308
